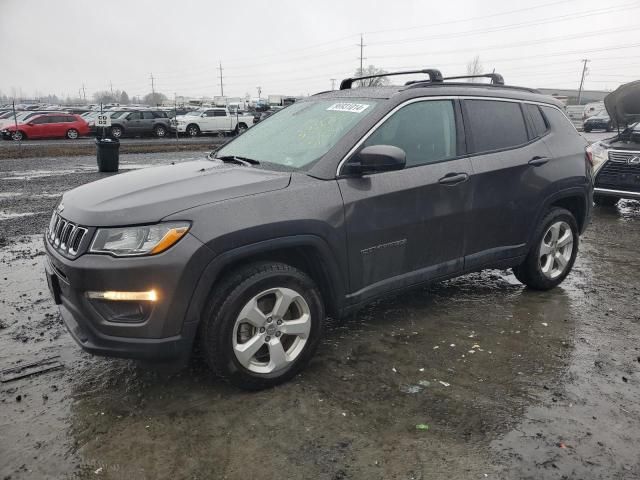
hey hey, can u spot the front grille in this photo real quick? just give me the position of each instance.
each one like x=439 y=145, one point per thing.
x=622 y=157
x=617 y=174
x=64 y=236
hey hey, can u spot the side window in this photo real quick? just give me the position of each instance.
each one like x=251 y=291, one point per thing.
x=211 y=113
x=69 y=119
x=558 y=121
x=538 y=122
x=159 y=114
x=219 y=113
x=147 y=115
x=495 y=125
x=39 y=120
x=134 y=116
x=426 y=131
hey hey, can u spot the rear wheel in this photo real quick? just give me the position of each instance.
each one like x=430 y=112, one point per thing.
x=587 y=129
x=193 y=130
x=605 y=200
x=553 y=253
x=263 y=325
x=72 y=134
x=241 y=128
x=159 y=131
x=116 y=131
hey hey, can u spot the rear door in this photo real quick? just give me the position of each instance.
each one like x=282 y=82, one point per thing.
x=408 y=226
x=146 y=124
x=508 y=161
x=223 y=120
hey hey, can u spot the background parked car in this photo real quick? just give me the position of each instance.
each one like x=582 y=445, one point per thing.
x=600 y=121
x=140 y=123
x=49 y=125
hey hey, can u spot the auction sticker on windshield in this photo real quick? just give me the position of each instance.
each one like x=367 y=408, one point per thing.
x=348 y=107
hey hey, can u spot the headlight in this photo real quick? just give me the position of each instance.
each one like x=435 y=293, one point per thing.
x=136 y=241
x=598 y=154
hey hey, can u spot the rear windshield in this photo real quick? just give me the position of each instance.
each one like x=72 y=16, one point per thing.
x=300 y=134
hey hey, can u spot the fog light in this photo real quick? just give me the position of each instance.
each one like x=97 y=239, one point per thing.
x=150 y=296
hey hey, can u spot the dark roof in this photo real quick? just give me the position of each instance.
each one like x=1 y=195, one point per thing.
x=426 y=89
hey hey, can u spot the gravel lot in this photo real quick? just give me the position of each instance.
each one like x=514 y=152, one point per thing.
x=510 y=383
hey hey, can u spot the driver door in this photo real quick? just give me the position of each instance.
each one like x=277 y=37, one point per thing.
x=134 y=123
x=408 y=226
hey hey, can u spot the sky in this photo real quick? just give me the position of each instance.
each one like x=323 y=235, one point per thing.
x=295 y=47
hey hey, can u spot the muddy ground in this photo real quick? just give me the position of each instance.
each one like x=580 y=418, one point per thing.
x=510 y=383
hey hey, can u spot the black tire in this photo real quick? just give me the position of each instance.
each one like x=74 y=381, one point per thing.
x=241 y=128
x=192 y=130
x=160 y=131
x=73 y=134
x=18 y=135
x=605 y=200
x=116 y=131
x=227 y=300
x=609 y=128
x=587 y=129
x=530 y=271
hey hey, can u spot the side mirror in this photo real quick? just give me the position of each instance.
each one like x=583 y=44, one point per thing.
x=377 y=158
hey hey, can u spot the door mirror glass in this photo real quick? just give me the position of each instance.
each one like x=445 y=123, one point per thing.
x=377 y=158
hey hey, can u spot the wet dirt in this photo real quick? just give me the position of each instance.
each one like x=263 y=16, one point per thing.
x=472 y=378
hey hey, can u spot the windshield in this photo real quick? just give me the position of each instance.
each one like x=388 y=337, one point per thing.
x=117 y=114
x=300 y=134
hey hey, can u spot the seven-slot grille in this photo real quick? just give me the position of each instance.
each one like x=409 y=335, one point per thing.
x=618 y=174
x=64 y=236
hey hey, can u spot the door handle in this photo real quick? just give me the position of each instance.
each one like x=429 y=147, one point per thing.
x=453 y=178
x=537 y=161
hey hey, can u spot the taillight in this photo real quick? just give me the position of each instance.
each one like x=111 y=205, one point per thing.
x=588 y=156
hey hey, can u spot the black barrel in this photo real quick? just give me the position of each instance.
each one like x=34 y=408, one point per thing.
x=108 y=154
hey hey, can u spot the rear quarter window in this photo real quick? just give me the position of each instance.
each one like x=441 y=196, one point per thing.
x=558 y=121
x=538 y=122
x=495 y=125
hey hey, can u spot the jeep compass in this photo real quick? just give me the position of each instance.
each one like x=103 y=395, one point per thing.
x=335 y=201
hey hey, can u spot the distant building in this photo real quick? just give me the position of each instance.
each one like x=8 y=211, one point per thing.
x=570 y=97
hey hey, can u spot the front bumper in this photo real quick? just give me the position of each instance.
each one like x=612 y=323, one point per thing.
x=164 y=333
x=608 y=192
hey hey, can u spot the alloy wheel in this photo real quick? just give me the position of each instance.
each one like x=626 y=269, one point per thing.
x=271 y=330
x=556 y=249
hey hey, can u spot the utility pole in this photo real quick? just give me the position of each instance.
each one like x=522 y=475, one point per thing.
x=333 y=83
x=584 y=72
x=153 y=88
x=111 y=87
x=362 y=45
x=84 y=93
x=259 y=91
x=221 y=84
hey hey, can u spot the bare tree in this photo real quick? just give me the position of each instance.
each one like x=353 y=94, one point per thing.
x=104 y=96
x=154 y=99
x=372 y=82
x=474 y=67
x=124 y=98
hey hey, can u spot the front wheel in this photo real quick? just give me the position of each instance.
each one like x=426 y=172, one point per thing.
x=605 y=200
x=193 y=130
x=554 y=250
x=18 y=135
x=241 y=128
x=263 y=325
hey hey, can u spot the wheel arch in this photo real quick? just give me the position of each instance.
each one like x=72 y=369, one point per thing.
x=308 y=253
x=576 y=200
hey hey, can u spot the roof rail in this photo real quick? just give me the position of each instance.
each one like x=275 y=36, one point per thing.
x=496 y=78
x=434 y=76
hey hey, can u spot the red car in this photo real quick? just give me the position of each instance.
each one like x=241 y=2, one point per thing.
x=48 y=125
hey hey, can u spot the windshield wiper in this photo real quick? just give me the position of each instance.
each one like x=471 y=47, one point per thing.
x=237 y=159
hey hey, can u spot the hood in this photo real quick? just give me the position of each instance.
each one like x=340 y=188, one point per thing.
x=150 y=194
x=623 y=104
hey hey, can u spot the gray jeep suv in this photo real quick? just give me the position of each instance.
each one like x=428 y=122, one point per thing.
x=138 y=123
x=337 y=200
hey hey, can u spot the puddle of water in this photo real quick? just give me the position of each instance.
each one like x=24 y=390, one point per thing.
x=9 y=215
x=31 y=174
x=10 y=194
